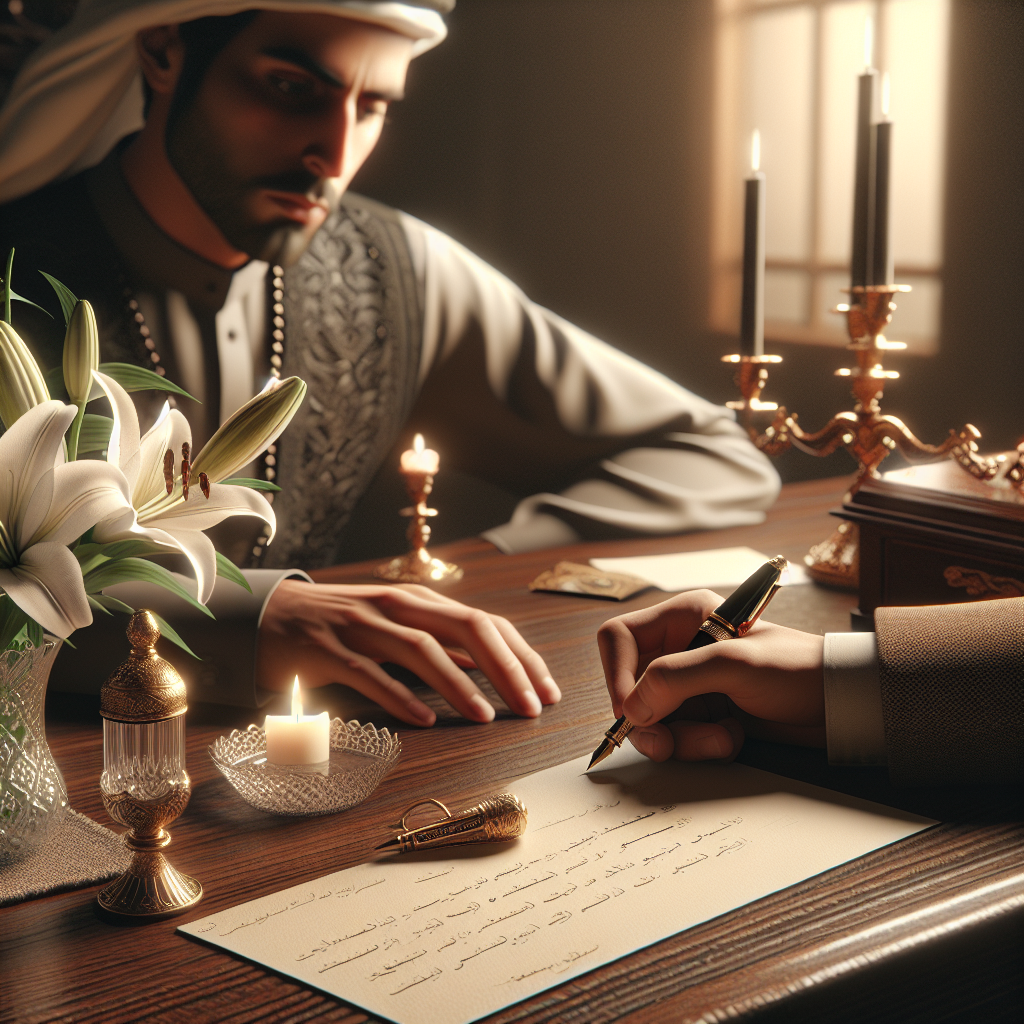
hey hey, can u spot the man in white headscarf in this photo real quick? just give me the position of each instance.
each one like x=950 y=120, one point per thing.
x=183 y=164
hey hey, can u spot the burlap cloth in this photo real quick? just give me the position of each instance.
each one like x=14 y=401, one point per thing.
x=81 y=852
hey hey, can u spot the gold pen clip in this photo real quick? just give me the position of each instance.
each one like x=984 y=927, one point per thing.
x=495 y=820
x=780 y=563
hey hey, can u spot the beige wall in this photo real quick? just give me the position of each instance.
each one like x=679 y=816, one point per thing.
x=567 y=142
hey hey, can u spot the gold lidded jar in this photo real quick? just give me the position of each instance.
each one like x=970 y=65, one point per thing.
x=144 y=784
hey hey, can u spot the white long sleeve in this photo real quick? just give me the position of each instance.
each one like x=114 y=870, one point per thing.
x=633 y=451
x=854 y=724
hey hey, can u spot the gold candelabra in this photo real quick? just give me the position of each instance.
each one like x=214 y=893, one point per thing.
x=866 y=433
x=418 y=566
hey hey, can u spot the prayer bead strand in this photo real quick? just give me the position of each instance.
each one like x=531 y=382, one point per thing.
x=268 y=461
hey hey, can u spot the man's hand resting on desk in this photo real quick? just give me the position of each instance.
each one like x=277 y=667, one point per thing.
x=768 y=683
x=340 y=633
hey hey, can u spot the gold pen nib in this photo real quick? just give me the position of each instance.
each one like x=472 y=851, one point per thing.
x=612 y=738
x=603 y=751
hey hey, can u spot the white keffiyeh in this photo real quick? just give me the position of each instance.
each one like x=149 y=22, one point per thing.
x=81 y=91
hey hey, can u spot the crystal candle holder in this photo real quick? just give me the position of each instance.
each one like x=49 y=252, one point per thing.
x=361 y=755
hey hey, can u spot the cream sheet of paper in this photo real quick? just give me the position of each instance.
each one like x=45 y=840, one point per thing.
x=610 y=862
x=692 y=570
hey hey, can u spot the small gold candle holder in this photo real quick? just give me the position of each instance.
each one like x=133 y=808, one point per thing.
x=144 y=783
x=866 y=433
x=418 y=566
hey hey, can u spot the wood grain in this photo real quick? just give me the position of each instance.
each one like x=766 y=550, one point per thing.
x=926 y=930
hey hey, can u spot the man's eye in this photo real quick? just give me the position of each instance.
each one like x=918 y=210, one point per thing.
x=290 y=86
x=373 y=108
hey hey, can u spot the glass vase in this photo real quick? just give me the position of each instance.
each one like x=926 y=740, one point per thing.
x=33 y=797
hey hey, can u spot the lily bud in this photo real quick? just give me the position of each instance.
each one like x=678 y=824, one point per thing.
x=21 y=384
x=247 y=433
x=81 y=352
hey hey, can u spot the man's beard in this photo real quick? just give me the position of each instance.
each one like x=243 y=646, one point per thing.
x=198 y=156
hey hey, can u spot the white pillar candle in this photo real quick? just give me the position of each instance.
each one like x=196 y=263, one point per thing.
x=298 y=738
x=419 y=458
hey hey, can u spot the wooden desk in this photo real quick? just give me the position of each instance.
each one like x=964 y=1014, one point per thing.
x=928 y=930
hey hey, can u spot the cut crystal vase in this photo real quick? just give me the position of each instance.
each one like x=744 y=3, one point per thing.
x=33 y=797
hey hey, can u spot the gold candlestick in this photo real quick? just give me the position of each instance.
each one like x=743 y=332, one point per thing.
x=866 y=433
x=418 y=566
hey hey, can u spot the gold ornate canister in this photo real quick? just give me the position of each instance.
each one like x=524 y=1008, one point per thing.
x=144 y=783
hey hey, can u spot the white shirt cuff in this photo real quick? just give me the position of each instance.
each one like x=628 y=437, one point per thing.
x=854 y=724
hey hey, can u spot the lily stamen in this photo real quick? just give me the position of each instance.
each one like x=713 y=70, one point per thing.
x=169 y=470
x=186 y=468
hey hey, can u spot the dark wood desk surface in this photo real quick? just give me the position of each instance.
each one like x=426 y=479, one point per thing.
x=927 y=930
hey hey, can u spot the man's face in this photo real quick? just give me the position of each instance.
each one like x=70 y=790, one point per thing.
x=285 y=116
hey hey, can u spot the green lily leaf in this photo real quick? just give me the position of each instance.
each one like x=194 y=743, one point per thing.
x=138 y=378
x=91 y=556
x=95 y=433
x=230 y=571
x=65 y=295
x=17 y=630
x=167 y=630
x=15 y=297
x=118 y=549
x=248 y=481
x=109 y=604
x=97 y=606
x=125 y=570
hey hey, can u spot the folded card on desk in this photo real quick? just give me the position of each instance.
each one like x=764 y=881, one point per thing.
x=611 y=862
x=723 y=568
x=570 y=578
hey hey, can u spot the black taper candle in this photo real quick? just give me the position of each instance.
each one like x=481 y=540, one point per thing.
x=881 y=258
x=752 y=310
x=860 y=254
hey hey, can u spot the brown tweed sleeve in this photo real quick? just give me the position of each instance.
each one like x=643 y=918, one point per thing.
x=953 y=691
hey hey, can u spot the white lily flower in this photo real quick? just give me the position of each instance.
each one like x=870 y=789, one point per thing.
x=169 y=519
x=45 y=505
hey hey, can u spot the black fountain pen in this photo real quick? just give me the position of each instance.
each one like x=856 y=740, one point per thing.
x=731 y=619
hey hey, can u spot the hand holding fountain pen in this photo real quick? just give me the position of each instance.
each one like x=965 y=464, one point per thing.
x=730 y=620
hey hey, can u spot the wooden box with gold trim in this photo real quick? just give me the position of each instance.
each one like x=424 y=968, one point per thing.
x=934 y=535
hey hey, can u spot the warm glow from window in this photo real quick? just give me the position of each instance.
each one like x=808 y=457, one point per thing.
x=789 y=69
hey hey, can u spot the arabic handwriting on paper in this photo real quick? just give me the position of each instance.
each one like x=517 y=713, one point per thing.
x=440 y=874
x=299 y=901
x=721 y=828
x=732 y=848
x=689 y=863
x=640 y=839
x=479 y=950
x=506 y=917
x=354 y=956
x=419 y=979
x=562 y=862
x=391 y=936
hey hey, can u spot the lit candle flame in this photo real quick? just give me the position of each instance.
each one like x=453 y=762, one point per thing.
x=755 y=151
x=418 y=444
x=885 y=95
x=296 y=700
x=869 y=40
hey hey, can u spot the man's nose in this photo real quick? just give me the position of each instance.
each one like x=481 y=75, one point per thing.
x=329 y=155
